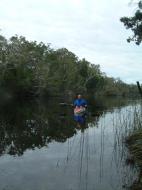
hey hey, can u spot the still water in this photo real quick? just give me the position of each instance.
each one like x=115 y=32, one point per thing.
x=43 y=148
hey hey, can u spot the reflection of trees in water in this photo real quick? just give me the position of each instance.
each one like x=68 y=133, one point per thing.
x=29 y=125
x=35 y=124
x=107 y=103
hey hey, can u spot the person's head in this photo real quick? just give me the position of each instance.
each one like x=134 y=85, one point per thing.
x=79 y=96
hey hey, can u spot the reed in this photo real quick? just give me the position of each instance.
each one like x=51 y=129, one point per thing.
x=134 y=143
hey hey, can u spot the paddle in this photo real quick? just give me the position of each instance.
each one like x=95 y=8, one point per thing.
x=65 y=104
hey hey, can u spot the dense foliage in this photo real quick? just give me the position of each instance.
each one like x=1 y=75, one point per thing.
x=28 y=68
x=135 y=24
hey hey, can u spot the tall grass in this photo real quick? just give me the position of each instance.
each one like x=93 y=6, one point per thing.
x=133 y=139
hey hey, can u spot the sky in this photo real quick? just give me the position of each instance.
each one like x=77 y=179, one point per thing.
x=89 y=28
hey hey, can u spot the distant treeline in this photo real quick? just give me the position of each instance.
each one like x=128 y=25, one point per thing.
x=28 y=68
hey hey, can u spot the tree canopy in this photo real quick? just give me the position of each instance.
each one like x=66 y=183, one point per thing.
x=135 y=24
x=29 y=68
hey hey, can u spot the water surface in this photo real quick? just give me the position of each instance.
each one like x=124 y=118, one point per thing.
x=43 y=148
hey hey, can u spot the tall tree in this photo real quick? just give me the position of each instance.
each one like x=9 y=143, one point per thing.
x=135 y=24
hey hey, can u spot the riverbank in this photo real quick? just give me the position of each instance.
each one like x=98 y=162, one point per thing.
x=134 y=143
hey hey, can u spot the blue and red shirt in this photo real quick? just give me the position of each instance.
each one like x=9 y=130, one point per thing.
x=80 y=102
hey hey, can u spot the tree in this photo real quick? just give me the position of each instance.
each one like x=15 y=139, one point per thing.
x=28 y=68
x=135 y=24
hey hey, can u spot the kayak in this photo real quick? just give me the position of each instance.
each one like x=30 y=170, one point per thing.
x=79 y=111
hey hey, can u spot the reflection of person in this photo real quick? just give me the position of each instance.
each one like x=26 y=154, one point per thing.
x=80 y=102
x=80 y=119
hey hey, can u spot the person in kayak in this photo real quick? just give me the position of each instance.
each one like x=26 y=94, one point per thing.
x=80 y=102
x=80 y=106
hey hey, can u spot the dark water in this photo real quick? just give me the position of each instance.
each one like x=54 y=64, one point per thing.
x=43 y=148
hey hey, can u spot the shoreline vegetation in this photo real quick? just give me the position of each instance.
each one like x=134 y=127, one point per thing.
x=32 y=69
x=134 y=144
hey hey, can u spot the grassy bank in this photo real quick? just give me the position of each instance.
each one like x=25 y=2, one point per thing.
x=134 y=143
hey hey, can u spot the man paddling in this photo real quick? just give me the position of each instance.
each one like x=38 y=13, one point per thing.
x=80 y=102
x=80 y=106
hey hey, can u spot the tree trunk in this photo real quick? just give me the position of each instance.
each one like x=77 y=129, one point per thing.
x=139 y=88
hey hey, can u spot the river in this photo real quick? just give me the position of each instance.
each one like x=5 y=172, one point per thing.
x=43 y=148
